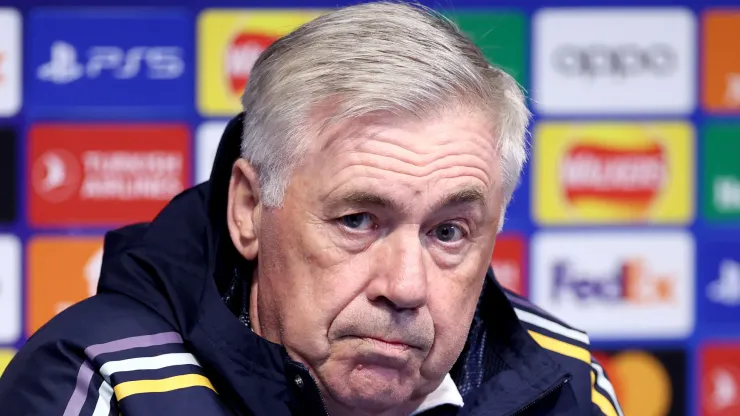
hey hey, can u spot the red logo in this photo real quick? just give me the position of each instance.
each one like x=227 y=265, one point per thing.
x=241 y=54
x=508 y=262
x=720 y=380
x=628 y=176
x=105 y=174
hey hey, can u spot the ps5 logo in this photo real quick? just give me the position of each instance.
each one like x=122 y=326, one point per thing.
x=152 y=62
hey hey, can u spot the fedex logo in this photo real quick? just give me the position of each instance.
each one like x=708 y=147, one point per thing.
x=617 y=284
x=627 y=282
x=103 y=63
x=152 y=62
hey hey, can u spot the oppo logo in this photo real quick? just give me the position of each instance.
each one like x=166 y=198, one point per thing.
x=615 y=61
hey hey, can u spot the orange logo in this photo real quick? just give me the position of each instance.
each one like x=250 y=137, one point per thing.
x=641 y=382
x=61 y=272
x=721 y=61
x=613 y=173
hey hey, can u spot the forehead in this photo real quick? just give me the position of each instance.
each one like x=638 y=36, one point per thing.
x=411 y=159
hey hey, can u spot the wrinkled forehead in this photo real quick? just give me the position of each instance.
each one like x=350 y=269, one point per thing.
x=410 y=161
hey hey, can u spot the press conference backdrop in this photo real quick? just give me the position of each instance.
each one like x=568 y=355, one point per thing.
x=626 y=223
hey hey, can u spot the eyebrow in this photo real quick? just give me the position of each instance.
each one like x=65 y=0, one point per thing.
x=472 y=195
x=465 y=196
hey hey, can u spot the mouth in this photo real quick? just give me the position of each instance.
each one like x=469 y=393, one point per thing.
x=389 y=345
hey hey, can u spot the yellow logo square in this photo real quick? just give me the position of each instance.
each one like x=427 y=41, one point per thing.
x=613 y=173
x=229 y=42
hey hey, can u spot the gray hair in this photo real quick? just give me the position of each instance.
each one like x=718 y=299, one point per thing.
x=405 y=60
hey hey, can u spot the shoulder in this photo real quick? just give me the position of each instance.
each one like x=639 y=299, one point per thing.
x=571 y=348
x=60 y=365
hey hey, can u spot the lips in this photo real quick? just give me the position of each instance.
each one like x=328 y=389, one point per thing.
x=393 y=345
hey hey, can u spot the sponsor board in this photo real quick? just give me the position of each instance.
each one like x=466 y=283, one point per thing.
x=100 y=174
x=6 y=354
x=500 y=36
x=207 y=138
x=647 y=382
x=721 y=61
x=118 y=62
x=648 y=69
x=721 y=172
x=10 y=289
x=587 y=279
x=719 y=281
x=613 y=173
x=719 y=364
x=10 y=62
x=229 y=42
x=8 y=176
x=509 y=262
x=61 y=272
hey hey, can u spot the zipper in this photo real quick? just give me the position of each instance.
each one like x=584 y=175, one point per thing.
x=544 y=395
x=318 y=392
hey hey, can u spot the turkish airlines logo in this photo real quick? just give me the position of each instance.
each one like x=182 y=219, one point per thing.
x=241 y=54
x=632 y=176
x=155 y=62
x=619 y=61
x=56 y=175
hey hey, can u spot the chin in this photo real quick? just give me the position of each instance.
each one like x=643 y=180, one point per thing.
x=372 y=390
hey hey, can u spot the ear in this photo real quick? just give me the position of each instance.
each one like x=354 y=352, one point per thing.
x=244 y=209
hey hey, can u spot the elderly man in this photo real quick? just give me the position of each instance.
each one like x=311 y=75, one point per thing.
x=336 y=261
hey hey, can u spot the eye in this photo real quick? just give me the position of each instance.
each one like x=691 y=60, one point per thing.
x=448 y=232
x=360 y=221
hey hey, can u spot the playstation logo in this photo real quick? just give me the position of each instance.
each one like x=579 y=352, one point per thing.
x=726 y=288
x=62 y=67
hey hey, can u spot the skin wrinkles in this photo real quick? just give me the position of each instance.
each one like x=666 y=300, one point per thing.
x=378 y=311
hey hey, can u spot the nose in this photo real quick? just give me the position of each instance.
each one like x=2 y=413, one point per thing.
x=399 y=274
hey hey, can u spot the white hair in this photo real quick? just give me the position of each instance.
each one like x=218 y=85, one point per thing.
x=399 y=59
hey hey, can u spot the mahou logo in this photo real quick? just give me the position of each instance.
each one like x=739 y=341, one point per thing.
x=630 y=176
x=241 y=54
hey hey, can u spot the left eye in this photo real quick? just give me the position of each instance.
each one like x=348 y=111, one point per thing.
x=361 y=221
x=448 y=233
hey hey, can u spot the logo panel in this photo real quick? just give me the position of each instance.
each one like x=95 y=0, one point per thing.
x=509 y=262
x=602 y=173
x=719 y=281
x=10 y=62
x=9 y=181
x=501 y=37
x=721 y=172
x=61 y=272
x=229 y=42
x=720 y=379
x=207 y=138
x=588 y=278
x=126 y=61
x=647 y=382
x=721 y=63
x=92 y=175
x=649 y=68
x=10 y=289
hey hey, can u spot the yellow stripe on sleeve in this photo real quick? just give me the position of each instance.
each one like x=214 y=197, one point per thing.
x=600 y=400
x=130 y=388
x=561 y=347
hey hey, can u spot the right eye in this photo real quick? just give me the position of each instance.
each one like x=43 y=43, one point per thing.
x=361 y=221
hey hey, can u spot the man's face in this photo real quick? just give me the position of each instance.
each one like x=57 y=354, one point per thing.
x=371 y=271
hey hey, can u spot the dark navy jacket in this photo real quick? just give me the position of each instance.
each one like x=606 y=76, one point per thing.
x=166 y=335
